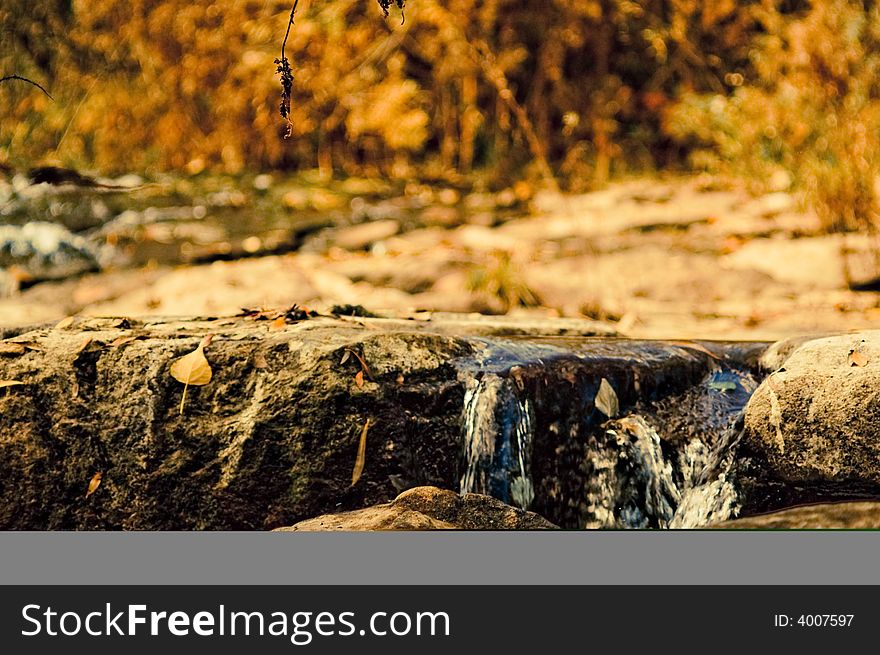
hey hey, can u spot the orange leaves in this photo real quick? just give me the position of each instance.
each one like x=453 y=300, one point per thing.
x=193 y=369
x=365 y=370
x=857 y=358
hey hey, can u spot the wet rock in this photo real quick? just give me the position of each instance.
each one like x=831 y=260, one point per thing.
x=848 y=516
x=811 y=433
x=273 y=438
x=430 y=508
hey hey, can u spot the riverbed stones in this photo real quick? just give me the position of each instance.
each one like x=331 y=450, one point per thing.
x=430 y=508
x=863 y=515
x=811 y=428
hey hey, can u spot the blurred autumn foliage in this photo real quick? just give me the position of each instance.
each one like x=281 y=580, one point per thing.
x=592 y=87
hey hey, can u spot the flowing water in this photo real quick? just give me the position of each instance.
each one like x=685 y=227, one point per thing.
x=534 y=437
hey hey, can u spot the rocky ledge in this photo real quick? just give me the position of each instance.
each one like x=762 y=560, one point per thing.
x=305 y=415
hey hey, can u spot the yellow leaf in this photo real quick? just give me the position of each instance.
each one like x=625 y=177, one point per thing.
x=64 y=323
x=278 y=324
x=362 y=455
x=10 y=383
x=94 y=483
x=606 y=399
x=193 y=369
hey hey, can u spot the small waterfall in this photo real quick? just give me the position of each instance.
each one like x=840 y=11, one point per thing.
x=708 y=494
x=630 y=484
x=666 y=464
x=498 y=437
x=633 y=485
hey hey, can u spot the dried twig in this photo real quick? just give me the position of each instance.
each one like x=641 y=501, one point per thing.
x=286 y=76
x=24 y=79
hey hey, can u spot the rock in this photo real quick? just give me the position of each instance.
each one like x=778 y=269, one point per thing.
x=430 y=508
x=273 y=438
x=811 y=432
x=833 y=516
x=360 y=237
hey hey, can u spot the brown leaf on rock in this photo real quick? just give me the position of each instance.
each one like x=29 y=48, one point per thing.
x=64 y=323
x=11 y=349
x=359 y=379
x=857 y=358
x=94 y=483
x=361 y=459
x=193 y=369
x=85 y=344
x=696 y=346
x=123 y=341
x=278 y=323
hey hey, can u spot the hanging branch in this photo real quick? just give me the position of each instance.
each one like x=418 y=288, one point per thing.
x=24 y=79
x=286 y=77
x=286 y=72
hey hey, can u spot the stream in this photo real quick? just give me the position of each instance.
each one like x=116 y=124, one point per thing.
x=536 y=437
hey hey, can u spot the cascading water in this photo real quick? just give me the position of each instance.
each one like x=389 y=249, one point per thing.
x=498 y=439
x=608 y=473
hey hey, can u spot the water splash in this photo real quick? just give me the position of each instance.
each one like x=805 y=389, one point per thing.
x=631 y=484
x=635 y=485
x=498 y=434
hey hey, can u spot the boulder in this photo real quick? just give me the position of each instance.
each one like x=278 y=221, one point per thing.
x=847 y=516
x=810 y=429
x=430 y=508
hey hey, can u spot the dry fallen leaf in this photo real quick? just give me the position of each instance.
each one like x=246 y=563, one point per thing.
x=696 y=346
x=193 y=369
x=122 y=341
x=10 y=383
x=361 y=455
x=857 y=358
x=606 y=399
x=278 y=324
x=359 y=379
x=85 y=344
x=64 y=323
x=345 y=356
x=94 y=483
x=11 y=348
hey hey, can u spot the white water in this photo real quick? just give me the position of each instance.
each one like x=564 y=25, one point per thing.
x=630 y=482
x=498 y=441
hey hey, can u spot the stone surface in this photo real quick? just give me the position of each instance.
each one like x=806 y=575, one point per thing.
x=273 y=438
x=811 y=430
x=851 y=516
x=430 y=508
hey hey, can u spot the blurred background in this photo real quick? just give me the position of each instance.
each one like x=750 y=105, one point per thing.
x=677 y=167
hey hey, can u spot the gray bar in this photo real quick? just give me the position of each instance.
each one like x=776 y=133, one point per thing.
x=425 y=558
